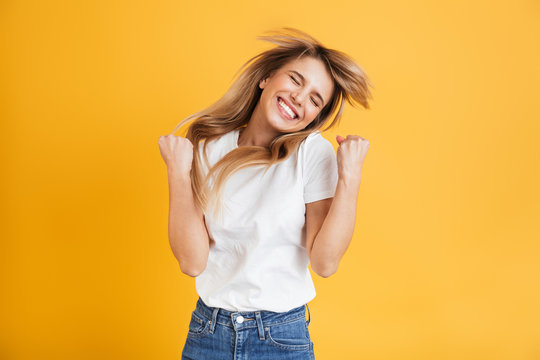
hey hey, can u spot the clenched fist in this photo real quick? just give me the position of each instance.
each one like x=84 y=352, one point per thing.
x=350 y=157
x=177 y=152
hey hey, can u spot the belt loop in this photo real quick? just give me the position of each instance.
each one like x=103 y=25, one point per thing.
x=309 y=314
x=259 y=325
x=214 y=320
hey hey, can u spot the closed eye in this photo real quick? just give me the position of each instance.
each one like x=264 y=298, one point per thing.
x=296 y=82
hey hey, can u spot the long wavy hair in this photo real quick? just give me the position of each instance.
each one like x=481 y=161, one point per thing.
x=234 y=109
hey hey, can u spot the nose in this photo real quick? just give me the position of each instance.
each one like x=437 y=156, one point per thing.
x=297 y=97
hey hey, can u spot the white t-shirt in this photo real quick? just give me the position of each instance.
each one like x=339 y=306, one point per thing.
x=259 y=260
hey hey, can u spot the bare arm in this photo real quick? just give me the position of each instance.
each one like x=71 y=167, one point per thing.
x=188 y=236
x=330 y=222
x=329 y=226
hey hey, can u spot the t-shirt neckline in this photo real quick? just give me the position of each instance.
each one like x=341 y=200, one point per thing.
x=236 y=136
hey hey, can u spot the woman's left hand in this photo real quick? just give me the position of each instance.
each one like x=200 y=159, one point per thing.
x=350 y=157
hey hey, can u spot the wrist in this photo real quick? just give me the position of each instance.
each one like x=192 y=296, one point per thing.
x=178 y=175
x=351 y=183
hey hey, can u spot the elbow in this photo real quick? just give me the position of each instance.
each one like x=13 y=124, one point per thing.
x=192 y=263
x=327 y=273
x=192 y=271
x=325 y=270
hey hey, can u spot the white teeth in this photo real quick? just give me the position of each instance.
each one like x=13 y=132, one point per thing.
x=287 y=109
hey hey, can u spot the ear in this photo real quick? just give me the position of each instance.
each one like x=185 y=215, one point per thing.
x=262 y=83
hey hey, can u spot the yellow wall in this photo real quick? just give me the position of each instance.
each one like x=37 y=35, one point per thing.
x=445 y=261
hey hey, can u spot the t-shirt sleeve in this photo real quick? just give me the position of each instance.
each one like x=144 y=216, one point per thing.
x=320 y=170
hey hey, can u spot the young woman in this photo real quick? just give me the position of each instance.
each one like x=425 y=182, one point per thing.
x=256 y=193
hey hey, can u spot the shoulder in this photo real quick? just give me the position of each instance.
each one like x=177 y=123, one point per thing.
x=218 y=143
x=314 y=136
x=316 y=143
x=213 y=149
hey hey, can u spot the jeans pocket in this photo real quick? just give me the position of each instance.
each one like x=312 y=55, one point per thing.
x=198 y=326
x=292 y=335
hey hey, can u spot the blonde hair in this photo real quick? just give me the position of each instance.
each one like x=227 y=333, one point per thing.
x=234 y=109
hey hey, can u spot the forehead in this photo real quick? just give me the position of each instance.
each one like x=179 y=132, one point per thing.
x=315 y=73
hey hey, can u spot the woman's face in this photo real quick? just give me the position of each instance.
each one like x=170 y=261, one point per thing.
x=295 y=94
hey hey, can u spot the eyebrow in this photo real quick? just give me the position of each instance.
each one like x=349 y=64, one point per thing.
x=303 y=79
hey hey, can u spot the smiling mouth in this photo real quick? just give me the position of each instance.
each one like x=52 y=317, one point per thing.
x=285 y=110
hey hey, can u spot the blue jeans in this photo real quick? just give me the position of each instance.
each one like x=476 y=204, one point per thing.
x=219 y=334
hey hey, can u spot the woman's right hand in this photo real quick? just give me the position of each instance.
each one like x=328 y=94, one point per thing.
x=177 y=152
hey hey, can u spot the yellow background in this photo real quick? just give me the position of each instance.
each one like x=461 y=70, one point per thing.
x=445 y=260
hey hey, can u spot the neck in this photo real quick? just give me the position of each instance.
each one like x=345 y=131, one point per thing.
x=257 y=132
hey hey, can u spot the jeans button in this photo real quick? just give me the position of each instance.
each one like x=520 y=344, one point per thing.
x=240 y=319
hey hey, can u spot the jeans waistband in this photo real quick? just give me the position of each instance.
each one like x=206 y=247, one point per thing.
x=249 y=318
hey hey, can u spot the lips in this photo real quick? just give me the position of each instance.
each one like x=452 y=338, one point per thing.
x=290 y=107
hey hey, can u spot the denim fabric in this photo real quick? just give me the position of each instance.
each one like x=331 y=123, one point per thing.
x=219 y=334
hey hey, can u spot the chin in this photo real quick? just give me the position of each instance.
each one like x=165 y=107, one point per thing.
x=285 y=129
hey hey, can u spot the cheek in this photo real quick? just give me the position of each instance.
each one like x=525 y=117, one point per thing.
x=312 y=113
